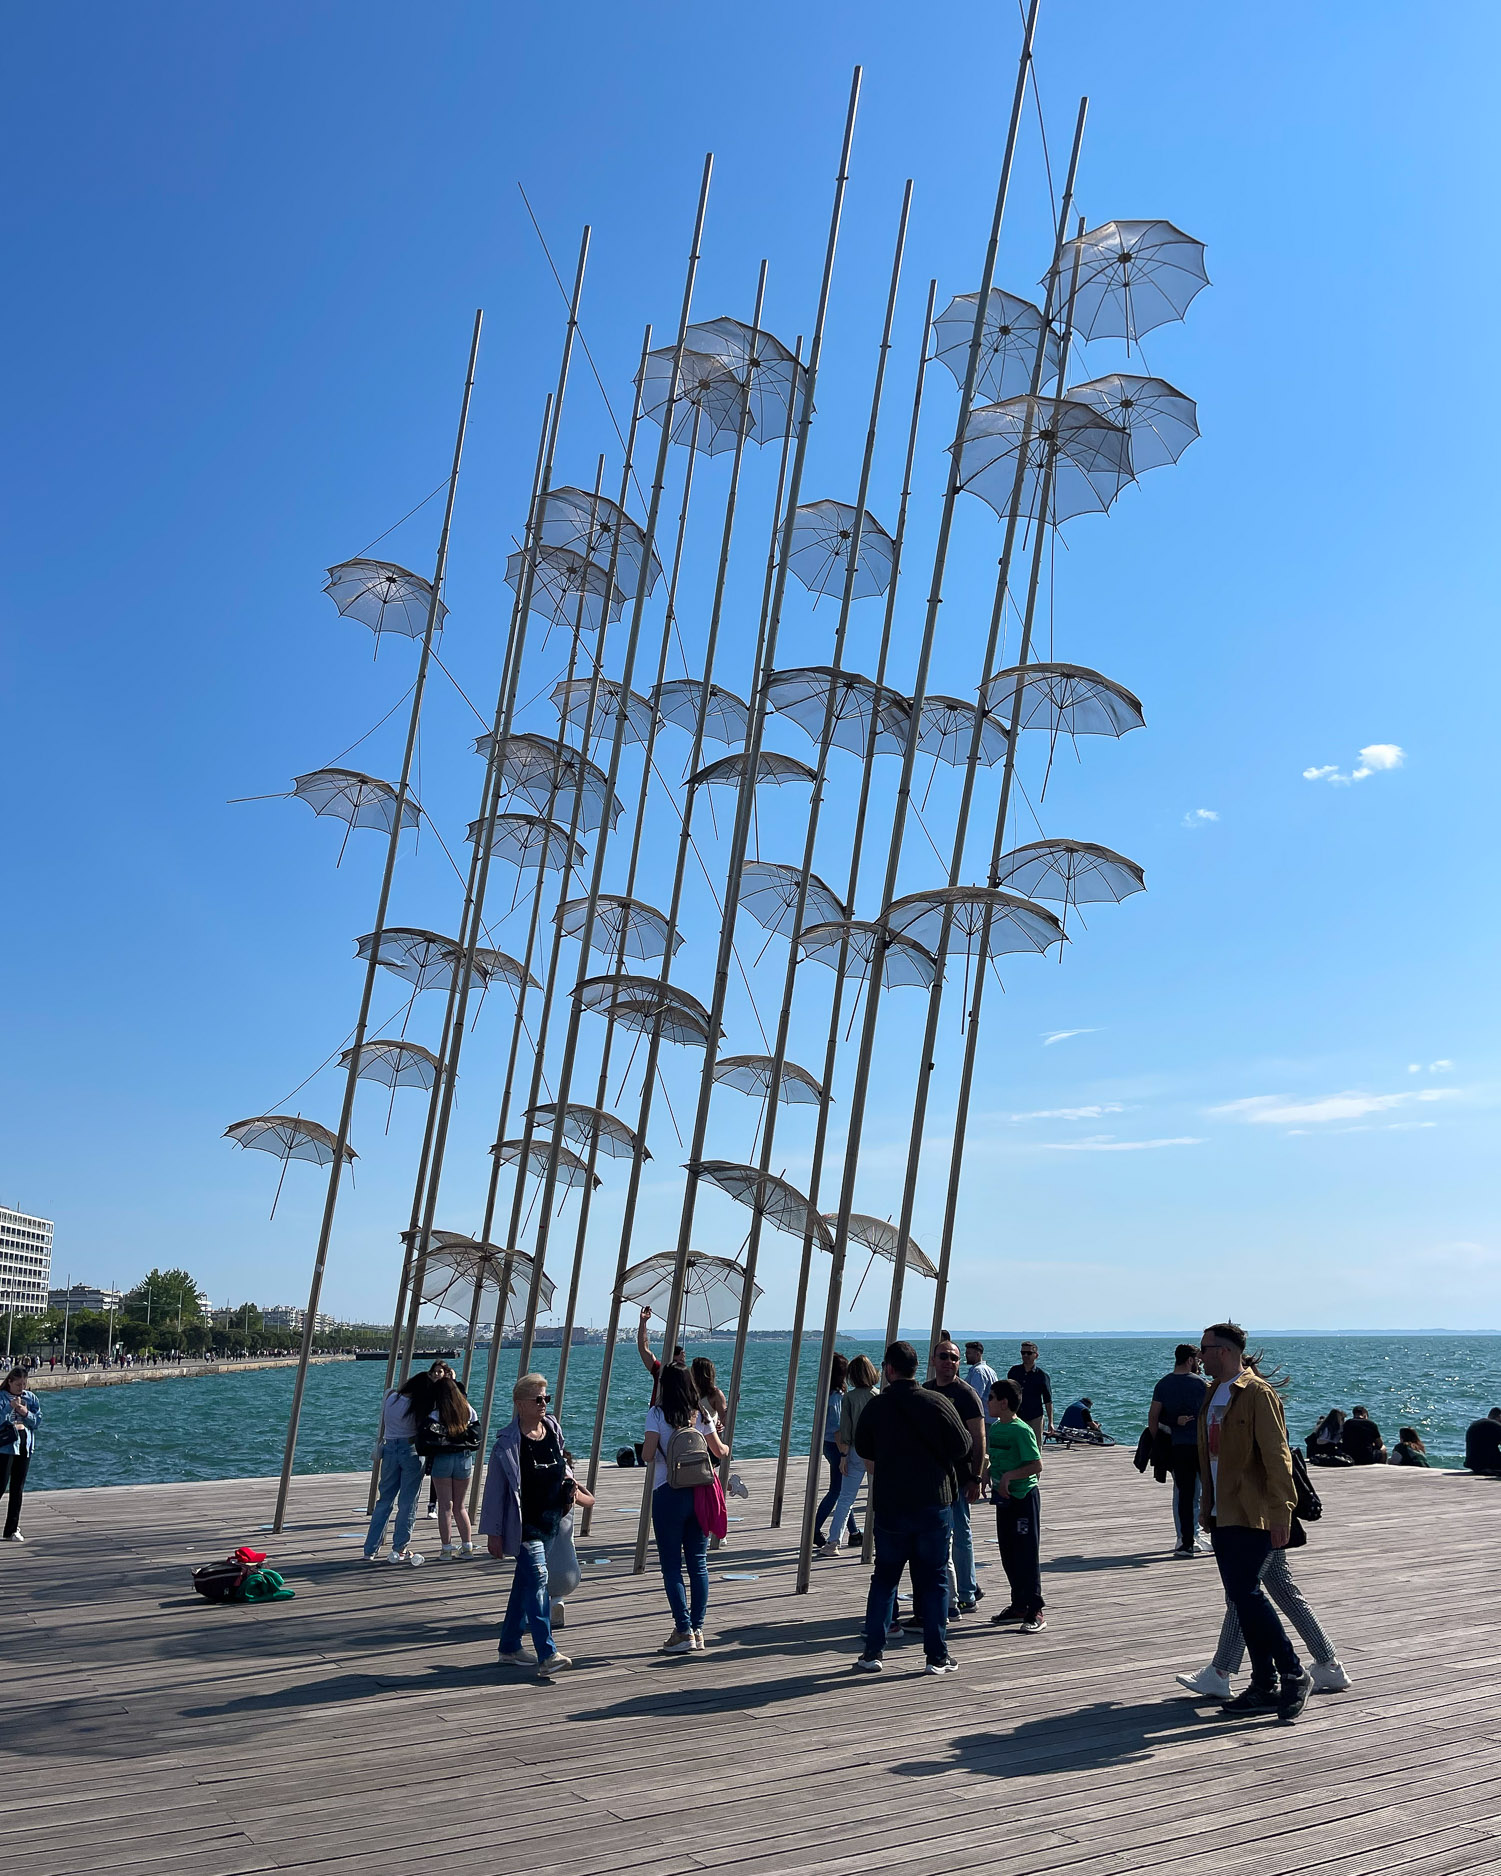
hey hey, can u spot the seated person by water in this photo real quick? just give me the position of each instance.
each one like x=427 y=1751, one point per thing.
x=1409 y=1449
x=1077 y=1422
x=1483 y=1443
x=1326 y=1442
x=1362 y=1441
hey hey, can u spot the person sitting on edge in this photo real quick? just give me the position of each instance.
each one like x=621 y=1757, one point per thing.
x=1077 y=1418
x=1409 y=1449
x=1362 y=1441
x=1325 y=1444
x=1483 y=1443
x=1037 y=1390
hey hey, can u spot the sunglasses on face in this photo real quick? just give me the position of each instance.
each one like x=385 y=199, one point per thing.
x=950 y=1356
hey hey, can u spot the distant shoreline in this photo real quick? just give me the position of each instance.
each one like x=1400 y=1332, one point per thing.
x=50 y=1383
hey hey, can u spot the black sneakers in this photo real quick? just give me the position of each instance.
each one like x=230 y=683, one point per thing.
x=1009 y=1614
x=1294 y=1694
x=1254 y=1699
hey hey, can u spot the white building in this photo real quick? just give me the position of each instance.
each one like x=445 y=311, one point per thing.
x=25 y=1263
x=84 y=1296
x=289 y=1316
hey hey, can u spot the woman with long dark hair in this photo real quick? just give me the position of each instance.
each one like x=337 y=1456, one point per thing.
x=681 y=1444
x=451 y=1439
x=403 y=1411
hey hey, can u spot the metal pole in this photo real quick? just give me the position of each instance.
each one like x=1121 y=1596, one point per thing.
x=351 y=1080
x=745 y=799
x=825 y=744
x=836 y=1008
x=685 y=836
x=67 y=1308
x=861 y=1087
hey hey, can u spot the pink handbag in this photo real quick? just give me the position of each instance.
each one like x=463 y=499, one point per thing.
x=709 y=1508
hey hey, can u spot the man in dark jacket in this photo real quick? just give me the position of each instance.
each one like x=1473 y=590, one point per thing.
x=916 y=1450
x=1483 y=1443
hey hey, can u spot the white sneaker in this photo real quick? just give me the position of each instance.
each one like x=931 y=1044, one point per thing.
x=738 y=1486
x=558 y=1616
x=552 y=1665
x=411 y=1558
x=831 y=1549
x=699 y=1644
x=374 y=1556
x=15 y=1538
x=513 y=1657
x=1203 y=1546
x=1208 y=1683
x=679 y=1642
x=432 y=1511
x=445 y=1553
x=1329 y=1677
x=466 y=1550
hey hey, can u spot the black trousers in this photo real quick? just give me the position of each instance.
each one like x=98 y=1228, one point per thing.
x=1018 y=1531
x=13 y=1470
x=1186 y=1492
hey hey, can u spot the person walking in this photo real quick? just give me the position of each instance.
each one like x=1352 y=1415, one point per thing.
x=528 y=1492
x=979 y=1374
x=838 y=1378
x=971 y=1410
x=1037 y=1391
x=449 y=1442
x=1176 y=1401
x=1248 y=1500
x=20 y=1416
x=1014 y=1466
x=681 y=1444
x=403 y=1411
x=860 y=1387
x=917 y=1450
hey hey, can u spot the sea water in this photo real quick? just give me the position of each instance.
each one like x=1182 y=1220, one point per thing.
x=234 y=1425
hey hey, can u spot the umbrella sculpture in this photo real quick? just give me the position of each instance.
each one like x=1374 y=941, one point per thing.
x=591 y=1126
x=904 y=960
x=288 y=1137
x=457 y=1264
x=1133 y=276
x=769 y=892
x=1076 y=871
x=1160 y=421
x=356 y=799
x=821 y=536
x=711 y=1292
x=708 y=408
x=751 y=1074
x=725 y=719
x=1008 y=343
x=395 y=1064
x=566 y=588
x=773 y=382
x=596 y=527
x=383 y=596
x=946 y=728
x=779 y=1203
x=541 y=771
x=772 y=768
x=529 y=840
x=804 y=696
x=1015 y=924
x=572 y=1171
x=1081 y=458
x=600 y=702
x=1064 y=699
x=622 y=927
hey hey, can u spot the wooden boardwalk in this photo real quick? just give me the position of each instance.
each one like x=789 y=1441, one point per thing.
x=367 y=1726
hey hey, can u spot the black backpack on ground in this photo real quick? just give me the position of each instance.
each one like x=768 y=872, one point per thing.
x=221 y=1582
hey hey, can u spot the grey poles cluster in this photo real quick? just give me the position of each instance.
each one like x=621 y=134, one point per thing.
x=665 y=621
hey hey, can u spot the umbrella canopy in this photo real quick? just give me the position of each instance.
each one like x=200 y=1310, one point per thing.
x=529 y=840
x=779 y=1203
x=805 y=696
x=712 y=1290
x=881 y=1236
x=1160 y=421
x=359 y=799
x=423 y=958
x=648 y=1016
x=946 y=728
x=496 y=967
x=709 y=404
x=1133 y=277
x=623 y=927
x=762 y=367
x=594 y=526
x=566 y=588
x=904 y=961
x=601 y=702
x=572 y=1172
x=822 y=533
x=394 y=1064
x=772 y=769
x=454 y=1265
x=1075 y=871
x=645 y=1004
x=726 y=718
x=1008 y=344
x=384 y=596
x=1065 y=698
x=751 y=1074
x=768 y=891
x=1014 y=924
x=288 y=1136
x=590 y=1126
x=1085 y=460
x=539 y=770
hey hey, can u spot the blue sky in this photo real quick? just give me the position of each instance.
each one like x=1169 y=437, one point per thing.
x=247 y=247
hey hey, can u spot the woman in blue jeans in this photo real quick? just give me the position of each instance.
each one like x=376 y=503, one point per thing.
x=838 y=1374
x=401 y=1469
x=680 y=1536
x=529 y=1489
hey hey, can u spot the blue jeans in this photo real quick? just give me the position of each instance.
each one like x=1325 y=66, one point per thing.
x=919 y=1540
x=1242 y=1555
x=681 y=1539
x=826 y=1504
x=849 y=1490
x=529 y=1603
x=964 y=1551
x=400 y=1476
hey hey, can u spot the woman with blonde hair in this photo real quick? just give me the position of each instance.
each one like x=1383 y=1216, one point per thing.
x=529 y=1489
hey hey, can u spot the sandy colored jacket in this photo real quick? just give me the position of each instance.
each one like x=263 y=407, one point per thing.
x=1256 y=1469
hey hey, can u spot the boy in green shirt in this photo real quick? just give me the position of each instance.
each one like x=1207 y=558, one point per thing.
x=1014 y=1463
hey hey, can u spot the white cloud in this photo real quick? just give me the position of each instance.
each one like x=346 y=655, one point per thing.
x=1414 y=1068
x=1283 y=1110
x=1107 y=1143
x=1374 y=758
x=1062 y=1035
x=1071 y=1113
x=1200 y=817
x=1440 y=1067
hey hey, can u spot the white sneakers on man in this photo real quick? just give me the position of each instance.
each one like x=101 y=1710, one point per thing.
x=1208 y=1683
x=1329 y=1677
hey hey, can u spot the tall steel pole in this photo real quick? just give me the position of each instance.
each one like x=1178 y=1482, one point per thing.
x=351 y=1080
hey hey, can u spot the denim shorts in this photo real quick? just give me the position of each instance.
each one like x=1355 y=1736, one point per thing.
x=452 y=1465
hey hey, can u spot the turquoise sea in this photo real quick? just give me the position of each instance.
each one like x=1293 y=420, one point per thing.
x=233 y=1426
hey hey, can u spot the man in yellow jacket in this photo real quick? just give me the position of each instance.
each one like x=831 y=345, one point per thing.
x=1247 y=1504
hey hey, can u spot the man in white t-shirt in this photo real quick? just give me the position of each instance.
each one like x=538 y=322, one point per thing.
x=980 y=1375
x=1248 y=1500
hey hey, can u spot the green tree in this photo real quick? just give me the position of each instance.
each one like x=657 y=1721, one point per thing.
x=88 y=1331
x=163 y=1298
